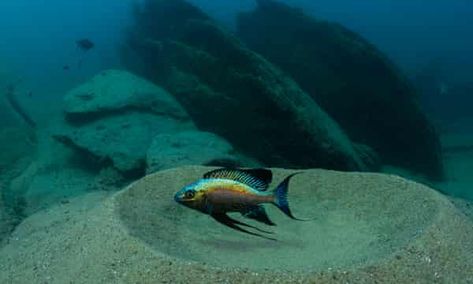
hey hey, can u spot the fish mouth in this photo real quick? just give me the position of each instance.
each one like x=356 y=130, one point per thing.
x=177 y=197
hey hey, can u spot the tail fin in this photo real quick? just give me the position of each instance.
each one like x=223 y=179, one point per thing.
x=280 y=197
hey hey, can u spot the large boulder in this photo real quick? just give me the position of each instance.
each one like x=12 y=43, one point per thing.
x=193 y=148
x=115 y=116
x=56 y=174
x=350 y=79
x=121 y=139
x=364 y=228
x=117 y=90
x=229 y=90
x=121 y=120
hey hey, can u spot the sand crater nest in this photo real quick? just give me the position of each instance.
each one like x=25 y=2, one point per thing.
x=357 y=221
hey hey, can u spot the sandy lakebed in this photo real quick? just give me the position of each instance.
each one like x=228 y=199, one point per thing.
x=367 y=228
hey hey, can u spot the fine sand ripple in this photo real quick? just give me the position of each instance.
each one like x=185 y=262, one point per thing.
x=368 y=228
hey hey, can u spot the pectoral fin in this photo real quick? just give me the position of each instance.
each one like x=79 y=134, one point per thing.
x=232 y=223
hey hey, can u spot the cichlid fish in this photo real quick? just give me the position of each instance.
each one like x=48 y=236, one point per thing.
x=236 y=190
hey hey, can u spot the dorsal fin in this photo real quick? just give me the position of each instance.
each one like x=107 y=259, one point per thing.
x=258 y=179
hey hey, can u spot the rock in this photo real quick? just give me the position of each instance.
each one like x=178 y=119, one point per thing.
x=192 y=148
x=121 y=139
x=114 y=117
x=116 y=90
x=350 y=79
x=229 y=90
x=55 y=173
x=368 y=227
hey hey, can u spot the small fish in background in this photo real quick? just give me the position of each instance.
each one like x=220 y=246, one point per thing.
x=85 y=44
x=66 y=67
x=236 y=190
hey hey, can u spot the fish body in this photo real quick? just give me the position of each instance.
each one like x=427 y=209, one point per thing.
x=235 y=190
x=225 y=195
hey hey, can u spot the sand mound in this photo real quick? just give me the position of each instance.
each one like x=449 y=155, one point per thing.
x=349 y=228
x=367 y=227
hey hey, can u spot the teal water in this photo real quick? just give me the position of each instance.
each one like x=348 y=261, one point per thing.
x=379 y=87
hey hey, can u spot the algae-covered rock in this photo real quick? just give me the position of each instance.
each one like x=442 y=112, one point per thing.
x=350 y=79
x=115 y=90
x=118 y=119
x=56 y=174
x=192 y=148
x=114 y=117
x=364 y=228
x=229 y=90
x=121 y=139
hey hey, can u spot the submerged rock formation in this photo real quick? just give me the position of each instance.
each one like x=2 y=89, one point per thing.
x=350 y=79
x=193 y=148
x=116 y=116
x=119 y=91
x=229 y=90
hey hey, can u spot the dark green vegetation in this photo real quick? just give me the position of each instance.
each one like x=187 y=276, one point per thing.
x=230 y=90
x=350 y=79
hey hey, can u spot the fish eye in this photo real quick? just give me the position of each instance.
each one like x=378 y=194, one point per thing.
x=189 y=194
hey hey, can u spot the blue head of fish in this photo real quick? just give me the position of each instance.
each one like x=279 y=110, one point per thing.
x=189 y=196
